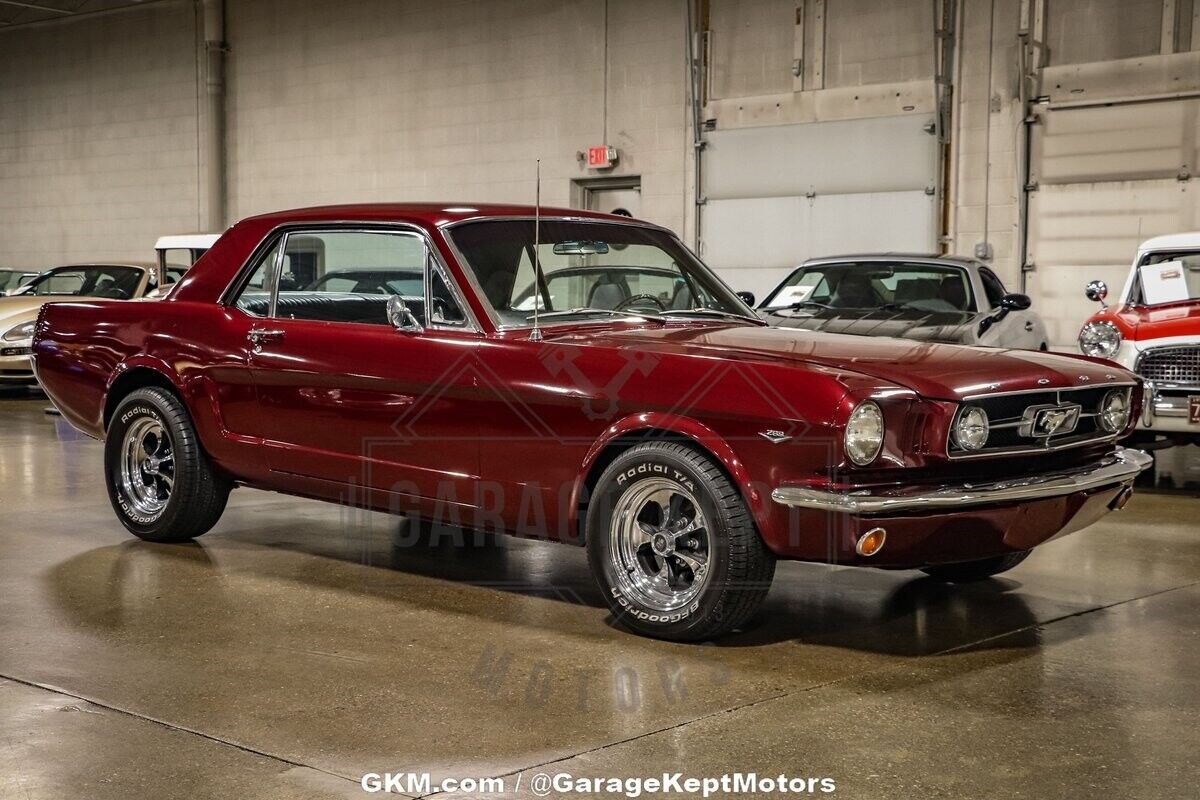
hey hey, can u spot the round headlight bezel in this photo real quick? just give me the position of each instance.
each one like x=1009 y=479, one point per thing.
x=1121 y=395
x=863 y=451
x=18 y=332
x=965 y=432
x=1100 y=339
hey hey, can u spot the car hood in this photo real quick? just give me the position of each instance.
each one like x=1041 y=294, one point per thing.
x=933 y=370
x=21 y=308
x=956 y=327
x=1159 y=322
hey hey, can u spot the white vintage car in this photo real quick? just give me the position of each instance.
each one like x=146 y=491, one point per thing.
x=175 y=254
x=1153 y=328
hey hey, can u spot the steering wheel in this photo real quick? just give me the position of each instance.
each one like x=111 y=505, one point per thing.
x=629 y=301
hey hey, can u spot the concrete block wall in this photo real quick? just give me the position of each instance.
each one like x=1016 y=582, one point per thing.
x=430 y=100
x=330 y=103
x=97 y=137
x=868 y=41
x=986 y=124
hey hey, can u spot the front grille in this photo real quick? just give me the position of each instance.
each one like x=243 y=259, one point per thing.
x=16 y=351
x=1171 y=365
x=1011 y=418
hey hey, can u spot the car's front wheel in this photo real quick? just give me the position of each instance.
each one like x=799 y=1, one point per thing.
x=672 y=545
x=159 y=480
x=969 y=571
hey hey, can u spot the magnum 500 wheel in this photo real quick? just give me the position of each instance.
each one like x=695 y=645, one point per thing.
x=159 y=480
x=672 y=545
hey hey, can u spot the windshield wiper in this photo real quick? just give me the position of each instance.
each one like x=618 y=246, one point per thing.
x=711 y=312
x=578 y=311
x=797 y=306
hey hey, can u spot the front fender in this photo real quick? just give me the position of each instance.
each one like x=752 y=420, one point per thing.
x=660 y=424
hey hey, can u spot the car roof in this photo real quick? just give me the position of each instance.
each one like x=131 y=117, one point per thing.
x=432 y=214
x=1171 y=241
x=189 y=241
x=915 y=258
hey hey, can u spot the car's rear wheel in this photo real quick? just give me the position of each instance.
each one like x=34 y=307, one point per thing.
x=672 y=545
x=969 y=571
x=159 y=480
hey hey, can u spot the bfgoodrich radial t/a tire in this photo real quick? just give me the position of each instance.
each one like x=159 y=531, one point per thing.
x=159 y=480
x=672 y=545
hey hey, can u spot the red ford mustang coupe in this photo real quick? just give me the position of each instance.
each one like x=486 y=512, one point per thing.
x=582 y=378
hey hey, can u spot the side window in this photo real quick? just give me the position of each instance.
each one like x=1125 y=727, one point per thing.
x=446 y=310
x=255 y=296
x=349 y=276
x=992 y=287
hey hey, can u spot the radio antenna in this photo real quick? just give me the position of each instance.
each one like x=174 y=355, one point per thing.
x=536 y=334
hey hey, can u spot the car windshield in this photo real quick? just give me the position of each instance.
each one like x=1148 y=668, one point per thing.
x=1165 y=278
x=10 y=279
x=409 y=283
x=873 y=284
x=118 y=283
x=589 y=269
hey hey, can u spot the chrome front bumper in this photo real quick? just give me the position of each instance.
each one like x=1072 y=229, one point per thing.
x=1122 y=465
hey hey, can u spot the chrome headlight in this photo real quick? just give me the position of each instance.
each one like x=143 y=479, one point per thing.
x=971 y=429
x=864 y=433
x=23 y=331
x=1101 y=339
x=1114 y=411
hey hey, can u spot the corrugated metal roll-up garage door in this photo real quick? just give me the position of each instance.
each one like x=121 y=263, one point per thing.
x=1108 y=177
x=780 y=194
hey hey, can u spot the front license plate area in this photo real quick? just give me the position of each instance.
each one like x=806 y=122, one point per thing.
x=1194 y=409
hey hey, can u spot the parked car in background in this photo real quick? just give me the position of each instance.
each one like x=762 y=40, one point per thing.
x=686 y=445
x=174 y=255
x=72 y=284
x=13 y=279
x=1153 y=328
x=923 y=297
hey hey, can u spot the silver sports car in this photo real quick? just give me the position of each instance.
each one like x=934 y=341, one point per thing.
x=930 y=298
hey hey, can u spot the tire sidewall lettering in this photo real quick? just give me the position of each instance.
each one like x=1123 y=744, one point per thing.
x=135 y=411
x=622 y=481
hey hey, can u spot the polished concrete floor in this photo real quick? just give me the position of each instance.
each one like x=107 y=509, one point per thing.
x=296 y=647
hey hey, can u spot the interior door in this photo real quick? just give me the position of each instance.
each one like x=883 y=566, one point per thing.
x=347 y=397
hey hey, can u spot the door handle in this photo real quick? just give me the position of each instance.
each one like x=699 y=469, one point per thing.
x=1029 y=325
x=259 y=335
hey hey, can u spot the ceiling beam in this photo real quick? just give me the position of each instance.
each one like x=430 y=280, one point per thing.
x=34 y=6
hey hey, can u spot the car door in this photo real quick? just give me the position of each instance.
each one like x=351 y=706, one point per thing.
x=344 y=395
x=1013 y=328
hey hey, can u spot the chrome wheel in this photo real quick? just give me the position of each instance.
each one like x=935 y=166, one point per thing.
x=147 y=467
x=660 y=544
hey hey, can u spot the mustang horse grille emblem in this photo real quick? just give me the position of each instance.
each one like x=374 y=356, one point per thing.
x=1042 y=422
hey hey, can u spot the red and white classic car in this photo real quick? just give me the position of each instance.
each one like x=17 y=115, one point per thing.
x=1154 y=330
x=584 y=378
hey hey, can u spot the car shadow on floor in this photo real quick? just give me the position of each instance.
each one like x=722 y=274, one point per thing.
x=857 y=609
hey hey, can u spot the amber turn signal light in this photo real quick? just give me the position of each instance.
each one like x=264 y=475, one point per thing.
x=871 y=542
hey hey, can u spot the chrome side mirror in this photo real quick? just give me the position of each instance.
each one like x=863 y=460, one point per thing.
x=401 y=317
x=1096 y=291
